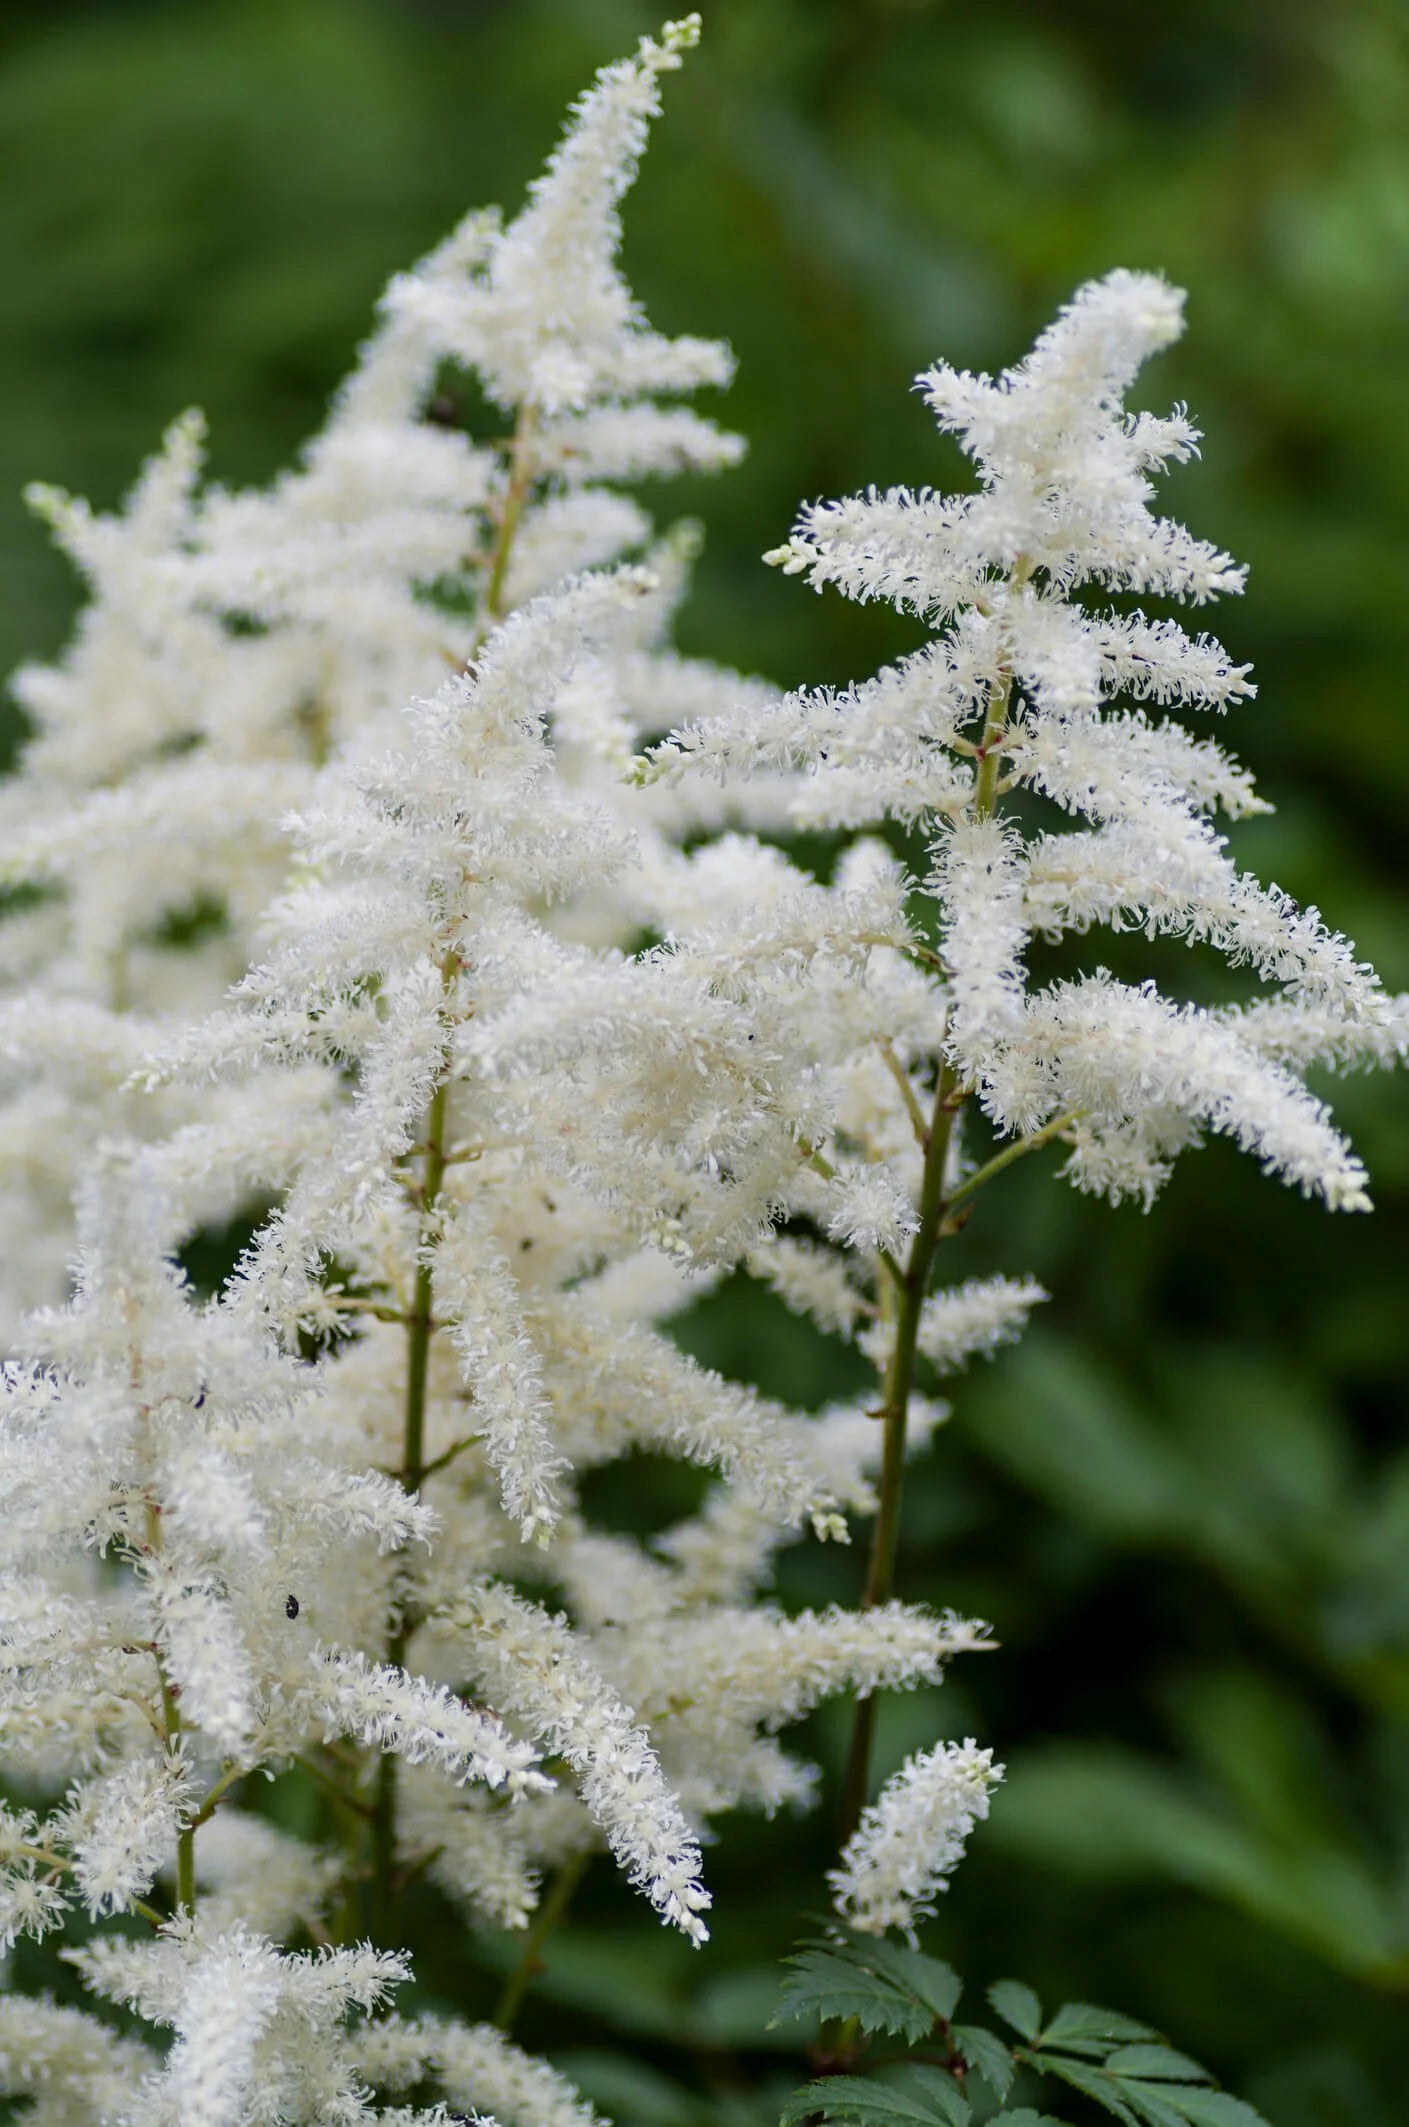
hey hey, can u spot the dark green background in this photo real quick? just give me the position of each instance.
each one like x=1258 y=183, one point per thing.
x=1185 y=1501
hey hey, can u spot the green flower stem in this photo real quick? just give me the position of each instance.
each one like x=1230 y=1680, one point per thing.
x=185 y=1865
x=911 y=1289
x=1019 y=1149
x=995 y=727
x=919 y=1122
x=420 y=1323
x=995 y=731
x=171 y=1730
x=216 y=1794
x=516 y=494
x=420 y=1328
x=552 y=1908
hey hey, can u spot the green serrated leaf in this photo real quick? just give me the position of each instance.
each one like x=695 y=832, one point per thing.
x=1026 y=2117
x=987 y=2054
x=1017 y=2005
x=934 y=2088
x=884 y=1986
x=927 y=1978
x=1092 y=2083
x=823 y=2099
x=1157 y=2063
x=1078 y=2022
x=1214 y=2108
x=1156 y=2104
x=828 y=1984
x=916 y=2097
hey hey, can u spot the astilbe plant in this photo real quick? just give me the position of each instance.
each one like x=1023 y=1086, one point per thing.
x=333 y=1518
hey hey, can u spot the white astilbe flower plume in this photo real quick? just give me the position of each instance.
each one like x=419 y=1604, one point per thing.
x=911 y=1839
x=29 y=1904
x=258 y=2033
x=421 y=1721
x=976 y=1317
x=66 y=2061
x=533 y=1668
x=1021 y=689
x=553 y=325
x=477 y=2067
x=122 y=1829
x=228 y=2002
x=233 y=642
x=1032 y=686
x=717 y=1686
x=514 y=1416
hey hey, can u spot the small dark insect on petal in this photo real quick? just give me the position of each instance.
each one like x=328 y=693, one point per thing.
x=291 y=1606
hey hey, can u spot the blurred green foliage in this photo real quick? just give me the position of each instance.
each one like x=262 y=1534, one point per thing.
x=1185 y=1504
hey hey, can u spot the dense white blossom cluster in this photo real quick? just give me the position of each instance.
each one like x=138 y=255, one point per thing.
x=234 y=643
x=1021 y=693
x=342 y=823
x=907 y=1844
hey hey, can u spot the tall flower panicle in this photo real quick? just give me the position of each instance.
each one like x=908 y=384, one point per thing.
x=1035 y=688
x=491 y=1215
x=1028 y=689
x=234 y=642
x=255 y=2031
